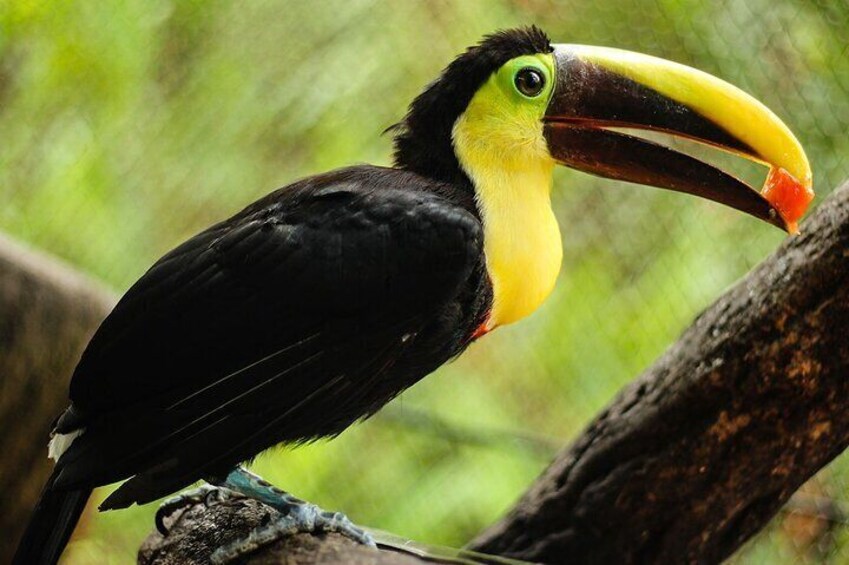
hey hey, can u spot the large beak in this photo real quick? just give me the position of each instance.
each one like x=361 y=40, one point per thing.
x=599 y=88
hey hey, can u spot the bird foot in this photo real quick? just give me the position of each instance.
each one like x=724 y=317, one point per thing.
x=204 y=494
x=296 y=516
x=304 y=518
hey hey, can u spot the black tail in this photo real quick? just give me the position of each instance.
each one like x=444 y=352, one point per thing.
x=50 y=525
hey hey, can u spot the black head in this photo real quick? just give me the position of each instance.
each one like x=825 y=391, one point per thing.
x=423 y=139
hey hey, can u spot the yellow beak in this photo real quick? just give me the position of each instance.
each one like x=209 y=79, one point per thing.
x=599 y=88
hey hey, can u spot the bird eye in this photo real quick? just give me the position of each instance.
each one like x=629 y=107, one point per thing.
x=529 y=81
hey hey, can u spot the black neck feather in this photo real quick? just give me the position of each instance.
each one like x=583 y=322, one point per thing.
x=423 y=142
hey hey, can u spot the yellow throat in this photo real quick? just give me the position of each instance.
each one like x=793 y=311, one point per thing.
x=502 y=149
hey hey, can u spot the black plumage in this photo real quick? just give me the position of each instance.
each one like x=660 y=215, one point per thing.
x=303 y=313
x=306 y=311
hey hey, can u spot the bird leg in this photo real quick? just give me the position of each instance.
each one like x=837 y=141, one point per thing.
x=295 y=516
x=206 y=494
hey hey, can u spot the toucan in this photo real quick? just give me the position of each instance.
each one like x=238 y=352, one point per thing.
x=316 y=305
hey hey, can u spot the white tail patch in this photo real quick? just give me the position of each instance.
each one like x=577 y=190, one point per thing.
x=60 y=443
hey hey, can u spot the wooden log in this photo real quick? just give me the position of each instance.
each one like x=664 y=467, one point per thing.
x=48 y=312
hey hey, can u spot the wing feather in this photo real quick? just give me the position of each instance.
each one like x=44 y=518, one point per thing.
x=283 y=323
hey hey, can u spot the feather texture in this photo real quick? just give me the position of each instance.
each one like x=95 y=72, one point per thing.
x=303 y=313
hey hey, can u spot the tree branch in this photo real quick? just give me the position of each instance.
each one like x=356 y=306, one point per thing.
x=47 y=315
x=696 y=455
x=197 y=531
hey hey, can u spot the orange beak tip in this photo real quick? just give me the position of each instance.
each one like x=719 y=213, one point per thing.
x=788 y=196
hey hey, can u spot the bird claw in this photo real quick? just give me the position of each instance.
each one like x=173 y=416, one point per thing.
x=204 y=494
x=301 y=518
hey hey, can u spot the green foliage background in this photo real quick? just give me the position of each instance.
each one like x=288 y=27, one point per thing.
x=127 y=126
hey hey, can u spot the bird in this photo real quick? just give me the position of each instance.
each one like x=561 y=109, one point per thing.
x=314 y=306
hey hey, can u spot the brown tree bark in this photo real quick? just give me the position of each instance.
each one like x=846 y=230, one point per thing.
x=697 y=454
x=47 y=314
x=196 y=532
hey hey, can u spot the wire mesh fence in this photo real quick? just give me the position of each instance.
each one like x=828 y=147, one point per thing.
x=127 y=127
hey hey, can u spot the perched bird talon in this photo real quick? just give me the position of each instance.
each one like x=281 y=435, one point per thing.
x=217 y=495
x=204 y=494
x=303 y=520
x=295 y=516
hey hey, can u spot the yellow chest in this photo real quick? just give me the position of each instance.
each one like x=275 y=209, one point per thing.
x=521 y=242
x=521 y=236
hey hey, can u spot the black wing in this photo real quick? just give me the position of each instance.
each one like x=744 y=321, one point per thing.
x=306 y=311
